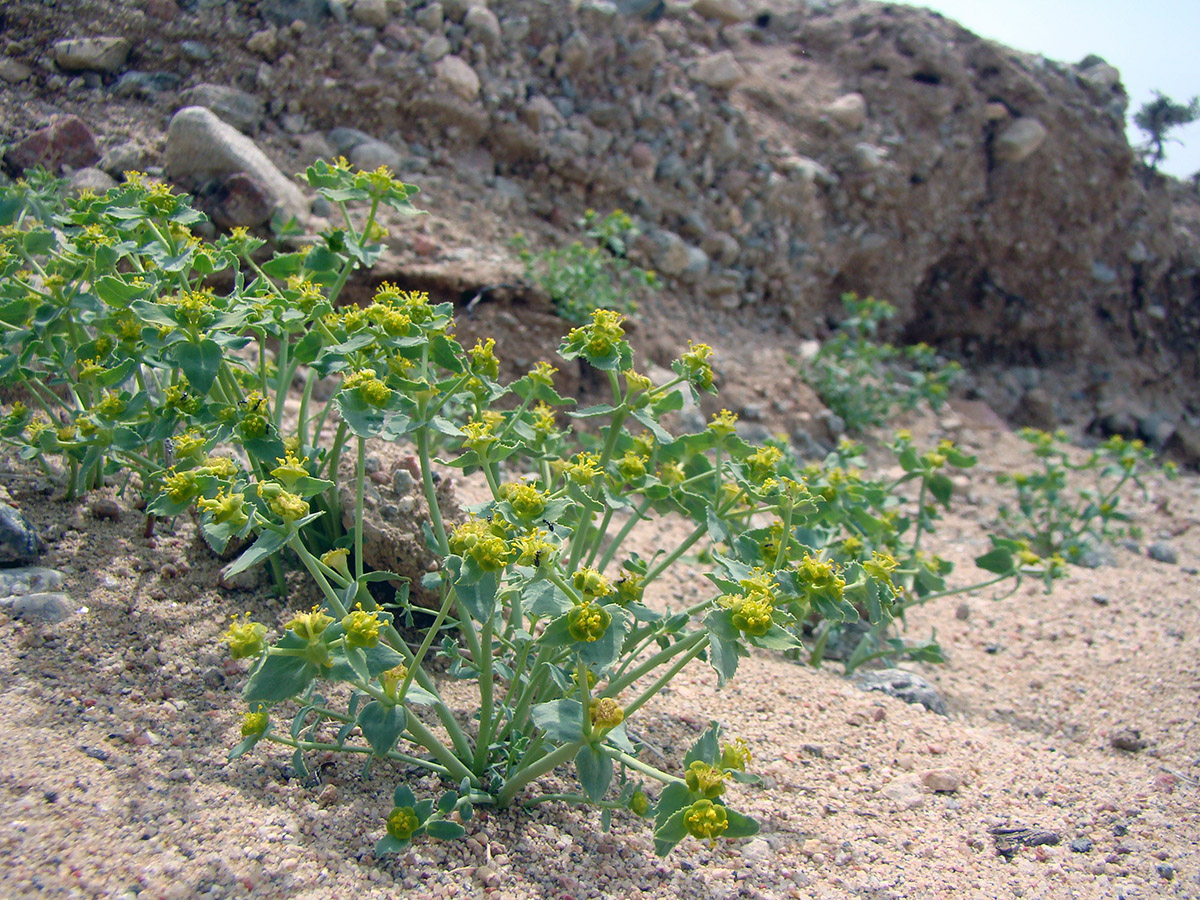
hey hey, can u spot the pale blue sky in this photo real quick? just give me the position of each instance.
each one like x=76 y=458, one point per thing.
x=1155 y=44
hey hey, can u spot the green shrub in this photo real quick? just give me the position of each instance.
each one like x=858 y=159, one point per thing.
x=583 y=277
x=135 y=370
x=865 y=381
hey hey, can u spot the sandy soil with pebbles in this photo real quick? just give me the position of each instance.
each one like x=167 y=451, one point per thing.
x=116 y=725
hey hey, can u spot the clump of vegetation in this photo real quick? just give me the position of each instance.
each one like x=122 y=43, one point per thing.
x=583 y=277
x=864 y=380
x=137 y=372
x=1158 y=118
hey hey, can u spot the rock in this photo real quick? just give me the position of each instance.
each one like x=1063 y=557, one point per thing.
x=145 y=85
x=904 y=686
x=373 y=13
x=905 y=791
x=1129 y=740
x=105 y=509
x=539 y=114
x=66 y=141
x=1184 y=444
x=238 y=199
x=126 y=157
x=265 y=43
x=29 y=580
x=483 y=26
x=19 y=543
x=757 y=851
x=942 y=781
x=430 y=16
x=371 y=154
x=1161 y=551
x=201 y=147
x=98 y=54
x=92 y=179
x=284 y=12
x=848 y=111
x=728 y=12
x=808 y=171
x=13 y=71
x=240 y=109
x=456 y=76
x=1080 y=845
x=1019 y=140
x=435 y=48
x=1102 y=77
x=1037 y=408
x=868 y=157
x=343 y=140
x=670 y=254
x=43 y=607
x=720 y=71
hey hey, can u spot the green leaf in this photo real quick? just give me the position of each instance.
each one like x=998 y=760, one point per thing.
x=279 y=678
x=603 y=652
x=724 y=644
x=200 y=363
x=941 y=487
x=716 y=528
x=707 y=748
x=443 y=830
x=268 y=543
x=670 y=833
x=115 y=292
x=382 y=725
x=998 y=560
x=403 y=796
x=244 y=746
x=388 y=844
x=447 y=802
x=595 y=771
x=479 y=597
x=284 y=264
x=739 y=826
x=660 y=434
x=545 y=599
x=562 y=720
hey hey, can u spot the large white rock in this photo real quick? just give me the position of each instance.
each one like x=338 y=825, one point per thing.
x=720 y=71
x=849 y=111
x=729 y=12
x=200 y=146
x=456 y=76
x=1019 y=140
x=98 y=54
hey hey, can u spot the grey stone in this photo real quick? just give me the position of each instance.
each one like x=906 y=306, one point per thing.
x=126 y=157
x=849 y=111
x=284 y=12
x=456 y=76
x=1161 y=551
x=240 y=109
x=430 y=17
x=903 y=686
x=343 y=140
x=670 y=253
x=483 y=26
x=29 y=580
x=435 y=48
x=1080 y=845
x=92 y=179
x=371 y=154
x=728 y=12
x=720 y=71
x=98 y=54
x=19 y=543
x=868 y=157
x=373 y=13
x=13 y=71
x=1128 y=739
x=1019 y=140
x=43 y=607
x=196 y=51
x=201 y=147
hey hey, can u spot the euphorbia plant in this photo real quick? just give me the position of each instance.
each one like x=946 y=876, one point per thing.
x=137 y=368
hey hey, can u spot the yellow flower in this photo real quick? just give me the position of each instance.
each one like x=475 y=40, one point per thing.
x=311 y=624
x=402 y=822
x=226 y=508
x=723 y=423
x=254 y=723
x=736 y=755
x=483 y=358
x=362 y=628
x=706 y=820
x=591 y=583
x=245 y=638
x=705 y=780
x=290 y=469
x=588 y=621
x=605 y=713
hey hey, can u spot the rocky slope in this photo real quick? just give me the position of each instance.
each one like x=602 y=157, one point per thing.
x=775 y=154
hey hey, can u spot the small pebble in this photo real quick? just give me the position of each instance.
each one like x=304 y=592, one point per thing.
x=1161 y=551
x=1100 y=599
x=1128 y=739
x=945 y=781
x=1080 y=845
x=105 y=509
x=1165 y=872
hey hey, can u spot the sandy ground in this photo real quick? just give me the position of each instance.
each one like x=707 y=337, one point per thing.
x=116 y=726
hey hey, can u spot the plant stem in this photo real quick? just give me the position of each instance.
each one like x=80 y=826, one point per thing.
x=547 y=763
x=687 y=644
x=360 y=477
x=342 y=748
x=645 y=768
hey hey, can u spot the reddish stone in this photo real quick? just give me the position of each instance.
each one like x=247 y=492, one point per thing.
x=241 y=199
x=161 y=9
x=66 y=141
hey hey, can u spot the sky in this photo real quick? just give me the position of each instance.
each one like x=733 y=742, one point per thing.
x=1155 y=44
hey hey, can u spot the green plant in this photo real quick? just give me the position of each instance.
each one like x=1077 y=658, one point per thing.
x=1053 y=516
x=135 y=370
x=1159 y=117
x=864 y=380
x=582 y=277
